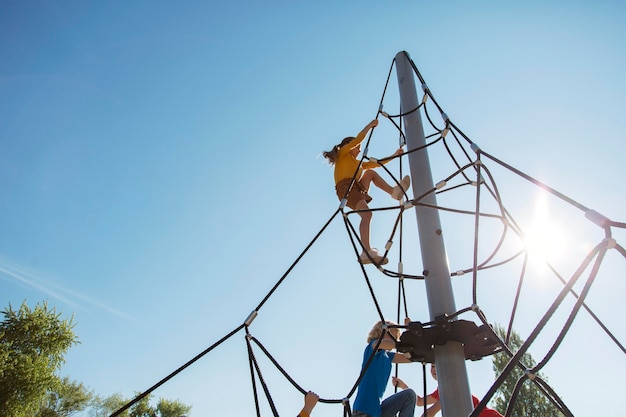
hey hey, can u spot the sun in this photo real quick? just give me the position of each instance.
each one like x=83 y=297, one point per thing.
x=544 y=239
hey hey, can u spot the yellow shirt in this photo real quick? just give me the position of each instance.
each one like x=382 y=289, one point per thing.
x=346 y=164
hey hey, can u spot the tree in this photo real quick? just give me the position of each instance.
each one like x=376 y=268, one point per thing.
x=530 y=400
x=103 y=407
x=70 y=398
x=33 y=343
x=164 y=408
x=169 y=408
x=32 y=347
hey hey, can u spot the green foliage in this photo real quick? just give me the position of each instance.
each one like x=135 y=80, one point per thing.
x=164 y=408
x=32 y=347
x=169 y=408
x=70 y=398
x=103 y=407
x=530 y=400
x=33 y=343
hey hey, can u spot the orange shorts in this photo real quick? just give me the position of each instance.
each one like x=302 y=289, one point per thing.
x=357 y=192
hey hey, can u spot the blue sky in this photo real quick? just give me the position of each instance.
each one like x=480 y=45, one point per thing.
x=160 y=170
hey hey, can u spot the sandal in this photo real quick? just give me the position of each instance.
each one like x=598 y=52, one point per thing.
x=373 y=257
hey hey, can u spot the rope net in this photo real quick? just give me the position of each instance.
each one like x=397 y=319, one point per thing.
x=502 y=243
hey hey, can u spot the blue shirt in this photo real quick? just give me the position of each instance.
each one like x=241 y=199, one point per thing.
x=374 y=382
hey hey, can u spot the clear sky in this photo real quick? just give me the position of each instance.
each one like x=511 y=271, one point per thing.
x=161 y=169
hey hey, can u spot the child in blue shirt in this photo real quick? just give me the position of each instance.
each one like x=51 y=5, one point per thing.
x=369 y=398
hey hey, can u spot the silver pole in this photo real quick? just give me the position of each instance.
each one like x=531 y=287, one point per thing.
x=456 y=400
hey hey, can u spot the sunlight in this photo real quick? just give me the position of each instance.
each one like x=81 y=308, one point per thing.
x=544 y=239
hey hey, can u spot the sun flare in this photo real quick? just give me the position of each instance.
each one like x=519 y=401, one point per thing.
x=544 y=239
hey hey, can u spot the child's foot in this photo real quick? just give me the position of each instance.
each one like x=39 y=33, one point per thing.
x=398 y=190
x=375 y=257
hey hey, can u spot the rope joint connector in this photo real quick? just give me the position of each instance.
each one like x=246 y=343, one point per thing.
x=426 y=91
x=529 y=375
x=597 y=218
x=611 y=243
x=251 y=318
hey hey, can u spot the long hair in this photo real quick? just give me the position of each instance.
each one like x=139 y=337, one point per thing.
x=332 y=154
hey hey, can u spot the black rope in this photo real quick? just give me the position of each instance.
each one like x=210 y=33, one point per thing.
x=286 y=374
x=402 y=114
x=347 y=411
x=547 y=389
x=259 y=375
x=252 y=376
x=579 y=301
x=176 y=372
x=476 y=228
x=349 y=227
x=591 y=313
x=518 y=292
x=282 y=278
x=453 y=132
x=538 y=183
x=432 y=124
x=425 y=387
x=514 y=394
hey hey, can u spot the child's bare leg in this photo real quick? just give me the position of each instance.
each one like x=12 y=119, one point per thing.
x=369 y=254
x=364 y=227
x=396 y=192
x=370 y=176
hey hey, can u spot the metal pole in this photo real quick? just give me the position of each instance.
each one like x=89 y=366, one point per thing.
x=455 y=396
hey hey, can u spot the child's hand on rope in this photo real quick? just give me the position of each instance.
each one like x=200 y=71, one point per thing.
x=397 y=382
x=310 y=400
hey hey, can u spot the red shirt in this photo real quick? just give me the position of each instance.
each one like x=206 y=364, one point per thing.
x=487 y=412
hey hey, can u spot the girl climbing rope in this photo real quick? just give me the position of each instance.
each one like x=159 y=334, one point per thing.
x=344 y=157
